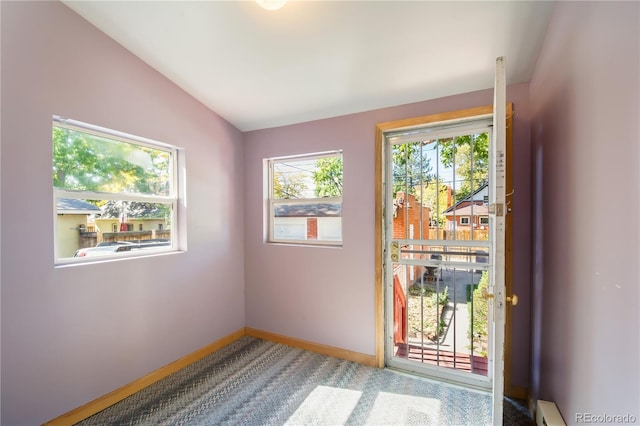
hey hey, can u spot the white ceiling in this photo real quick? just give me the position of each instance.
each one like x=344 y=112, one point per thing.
x=319 y=59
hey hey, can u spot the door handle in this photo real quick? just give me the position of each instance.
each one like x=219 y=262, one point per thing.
x=486 y=295
x=513 y=299
x=395 y=251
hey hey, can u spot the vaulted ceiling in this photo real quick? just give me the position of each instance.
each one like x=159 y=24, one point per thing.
x=318 y=59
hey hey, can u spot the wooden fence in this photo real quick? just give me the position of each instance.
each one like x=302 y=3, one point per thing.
x=458 y=234
x=92 y=238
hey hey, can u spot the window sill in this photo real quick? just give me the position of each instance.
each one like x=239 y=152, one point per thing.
x=73 y=262
x=303 y=244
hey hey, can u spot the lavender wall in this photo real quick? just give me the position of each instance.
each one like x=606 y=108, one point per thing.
x=585 y=138
x=326 y=295
x=70 y=335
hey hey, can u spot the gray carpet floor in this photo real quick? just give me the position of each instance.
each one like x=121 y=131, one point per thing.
x=257 y=382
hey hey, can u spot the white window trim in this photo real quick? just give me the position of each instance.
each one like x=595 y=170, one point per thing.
x=172 y=199
x=272 y=202
x=484 y=220
x=463 y=218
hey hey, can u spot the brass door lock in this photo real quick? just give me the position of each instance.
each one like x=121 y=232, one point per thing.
x=395 y=251
x=513 y=299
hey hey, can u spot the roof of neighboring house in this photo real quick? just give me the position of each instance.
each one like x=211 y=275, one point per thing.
x=133 y=210
x=74 y=206
x=308 y=210
x=478 y=210
x=478 y=195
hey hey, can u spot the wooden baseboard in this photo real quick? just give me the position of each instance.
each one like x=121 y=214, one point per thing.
x=99 y=404
x=313 y=347
x=518 y=392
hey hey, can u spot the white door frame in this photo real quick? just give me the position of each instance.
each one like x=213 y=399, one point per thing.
x=497 y=226
x=381 y=128
x=465 y=126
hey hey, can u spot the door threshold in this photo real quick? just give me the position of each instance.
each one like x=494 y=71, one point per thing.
x=439 y=381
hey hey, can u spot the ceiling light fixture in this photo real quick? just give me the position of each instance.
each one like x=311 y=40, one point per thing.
x=271 y=4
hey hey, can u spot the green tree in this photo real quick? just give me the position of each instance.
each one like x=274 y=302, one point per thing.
x=411 y=167
x=327 y=177
x=74 y=161
x=85 y=162
x=470 y=156
x=479 y=316
x=288 y=185
x=88 y=163
x=435 y=196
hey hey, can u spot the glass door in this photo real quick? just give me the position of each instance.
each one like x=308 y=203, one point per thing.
x=438 y=269
x=444 y=245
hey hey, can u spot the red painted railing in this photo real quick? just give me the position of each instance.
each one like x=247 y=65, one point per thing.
x=399 y=312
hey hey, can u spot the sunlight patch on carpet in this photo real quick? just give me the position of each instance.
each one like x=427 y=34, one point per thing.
x=326 y=405
x=398 y=409
x=257 y=382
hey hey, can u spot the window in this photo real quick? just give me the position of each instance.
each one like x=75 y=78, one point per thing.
x=305 y=199
x=106 y=181
x=464 y=220
x=484 y=220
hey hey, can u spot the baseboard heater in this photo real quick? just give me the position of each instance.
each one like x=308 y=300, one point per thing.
x=548 y=414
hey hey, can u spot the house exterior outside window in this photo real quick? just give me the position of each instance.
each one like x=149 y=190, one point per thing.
x=126 y=180
x=304 y=198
